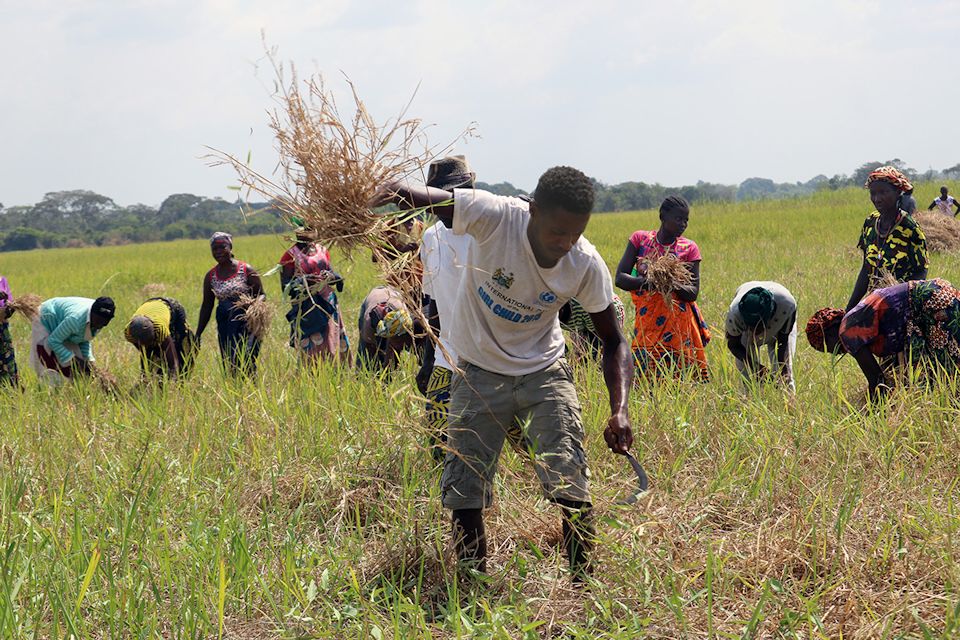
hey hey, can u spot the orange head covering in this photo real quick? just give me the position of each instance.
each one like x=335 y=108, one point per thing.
x=818 y=324
x=892 y=175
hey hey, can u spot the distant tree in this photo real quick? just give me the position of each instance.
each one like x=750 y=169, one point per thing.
x=861 y=173
x=23 y=239
x=501 y=189
x=177 y=207
x=755 y=188
x=79 y=210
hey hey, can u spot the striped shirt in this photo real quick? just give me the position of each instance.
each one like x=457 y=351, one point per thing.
x=68 y=320
x=158 y=313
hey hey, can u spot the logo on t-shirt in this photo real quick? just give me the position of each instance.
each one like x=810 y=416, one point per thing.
x=548 y=297
x=503 y=280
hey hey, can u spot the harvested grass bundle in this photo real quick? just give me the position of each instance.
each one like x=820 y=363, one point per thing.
x=942 y=232
x=410 y=563
x=882 y=279
x=28 y=304
x=153 y=290
x=333 y=166
x=667 y=274
x=106 y=380
x=257 y=313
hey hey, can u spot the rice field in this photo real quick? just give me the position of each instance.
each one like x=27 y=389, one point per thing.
x=305 y=504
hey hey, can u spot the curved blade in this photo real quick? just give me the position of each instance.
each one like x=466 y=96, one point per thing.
x=642 y=481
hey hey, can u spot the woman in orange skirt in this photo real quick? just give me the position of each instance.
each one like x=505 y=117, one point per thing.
x=669 y=332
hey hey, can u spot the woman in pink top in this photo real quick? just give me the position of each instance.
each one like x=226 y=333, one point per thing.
x=669 y=332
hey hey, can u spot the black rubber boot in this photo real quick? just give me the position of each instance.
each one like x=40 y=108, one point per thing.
x=578 y=540
x=470 y=539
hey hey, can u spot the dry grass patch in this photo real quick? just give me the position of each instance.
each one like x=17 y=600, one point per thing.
x=942 y=232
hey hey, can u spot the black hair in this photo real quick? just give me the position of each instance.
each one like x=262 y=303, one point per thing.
x=944 y=188
x=103 y=306
x=567 y=188
x=674 y=203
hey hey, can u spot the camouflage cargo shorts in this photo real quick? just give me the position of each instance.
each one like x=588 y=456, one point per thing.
x=486 y=406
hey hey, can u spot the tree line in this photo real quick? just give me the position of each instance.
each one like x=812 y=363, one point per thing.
x=633 y=196
x=84 y=218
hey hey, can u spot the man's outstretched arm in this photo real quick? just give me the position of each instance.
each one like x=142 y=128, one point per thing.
x=409 y=197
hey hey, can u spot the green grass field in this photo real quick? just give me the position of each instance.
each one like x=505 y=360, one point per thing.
x=305 y=504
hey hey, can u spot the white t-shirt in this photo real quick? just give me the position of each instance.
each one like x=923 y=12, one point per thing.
x=505 y=319
x=945 y=206
x=443 y=255
x=784 y=311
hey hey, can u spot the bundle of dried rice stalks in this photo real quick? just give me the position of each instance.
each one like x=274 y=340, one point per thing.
x=667 y=274
x=409 y=563
x=942 y=232
x=153 y=290
x=881 y=279
x=28 y=304
x=333 y=166
x=257 y=313
x=106 y=380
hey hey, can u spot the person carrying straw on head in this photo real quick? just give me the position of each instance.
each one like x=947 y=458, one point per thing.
x=763 y=314
x=443 y=255
x=60 y=339
x=526 y=261
x=891 y=241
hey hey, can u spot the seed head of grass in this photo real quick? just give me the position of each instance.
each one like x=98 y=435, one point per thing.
x=257 y=313
x=28 y=304
x=668 y=273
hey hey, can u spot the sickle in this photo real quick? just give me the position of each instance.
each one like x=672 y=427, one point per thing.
x=642 y=481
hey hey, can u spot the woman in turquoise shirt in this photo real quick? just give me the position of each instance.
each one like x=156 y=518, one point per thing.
x=60 y=342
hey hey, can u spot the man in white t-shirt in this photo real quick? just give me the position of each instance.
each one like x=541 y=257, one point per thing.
x=525 y=262
x=763 y=313
x=443 y=255
x=944 y=203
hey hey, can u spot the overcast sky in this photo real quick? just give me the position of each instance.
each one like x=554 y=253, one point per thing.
x=121 y=97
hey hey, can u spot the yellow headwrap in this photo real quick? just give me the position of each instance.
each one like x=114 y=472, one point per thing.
x=395 y=323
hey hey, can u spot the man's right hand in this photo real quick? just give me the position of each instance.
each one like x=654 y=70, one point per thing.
x=618 y=434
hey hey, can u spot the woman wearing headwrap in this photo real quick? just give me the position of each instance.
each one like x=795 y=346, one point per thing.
x=669 y=332
x=9 y=375
x=225 y=283
x=763 y=314
x=915 y=322
x=60 y=338
x=158 y=329
x=386 y=329
x=891 y=241
x=306 y=275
